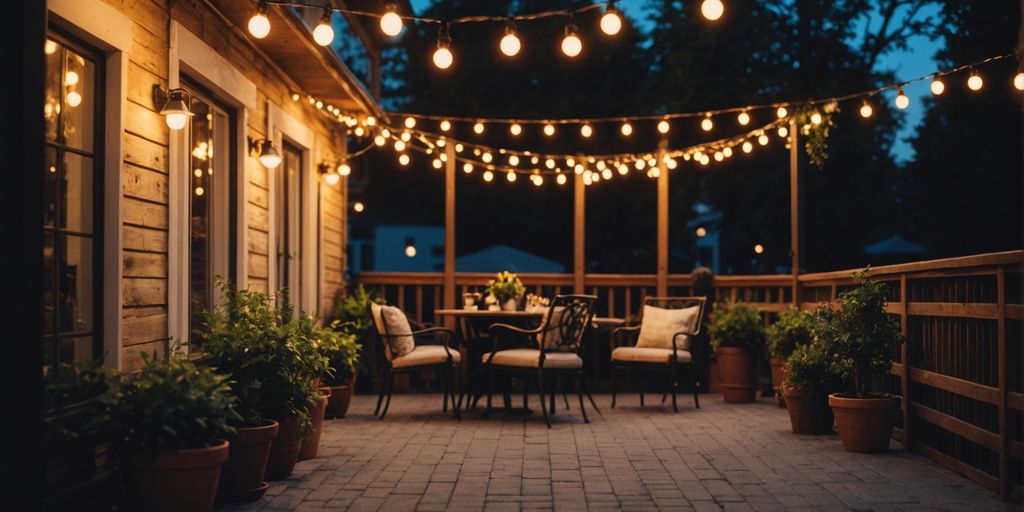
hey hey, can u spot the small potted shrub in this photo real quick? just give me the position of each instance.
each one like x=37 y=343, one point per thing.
x=506 y=288
x=865 y=338
x=811 y=374
x=314 y=343
x=738 y=339
x=343 y=352
x=352 y=315
x=172 y=419
x=791 y=330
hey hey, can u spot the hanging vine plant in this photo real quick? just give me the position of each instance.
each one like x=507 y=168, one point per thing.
x=816 y=124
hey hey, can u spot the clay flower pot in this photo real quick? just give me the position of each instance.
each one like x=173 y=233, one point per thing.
x=737 y=376
x=864 y=424
x=311 y=443
x=339 y=400
x=778 y=367
x=808 y=415
x=181 y=480
x=284 y=449
x=241 y=479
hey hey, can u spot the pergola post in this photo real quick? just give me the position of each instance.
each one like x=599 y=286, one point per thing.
x=662 y=270
x=449 y=228
x=795 y=213
x=579 y=226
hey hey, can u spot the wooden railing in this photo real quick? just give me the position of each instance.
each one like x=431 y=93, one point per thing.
x=961 y=366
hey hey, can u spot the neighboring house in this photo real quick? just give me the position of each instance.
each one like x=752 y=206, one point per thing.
x=502 y=257
x=894 y=249
x=406 y=249
x=707 y=229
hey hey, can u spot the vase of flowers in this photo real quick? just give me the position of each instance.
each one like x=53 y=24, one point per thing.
x=506 y=288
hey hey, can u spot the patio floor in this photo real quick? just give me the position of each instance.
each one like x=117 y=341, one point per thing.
x=731 y=457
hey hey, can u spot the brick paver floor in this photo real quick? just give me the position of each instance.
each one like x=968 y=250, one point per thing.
x=719 y=457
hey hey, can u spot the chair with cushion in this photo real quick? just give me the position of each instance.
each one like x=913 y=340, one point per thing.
x=408 y=351
x=554 y=349
x=663 y=342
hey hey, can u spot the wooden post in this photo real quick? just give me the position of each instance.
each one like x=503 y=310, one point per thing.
x=662 y=271
x=1005 y=482
x=905 y=359
x=579 y=233
x=449 y=229
x=795 y=215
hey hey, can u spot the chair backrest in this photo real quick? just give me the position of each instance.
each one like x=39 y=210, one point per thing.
x=398 y=340
x=566 y=322
x=678 y=303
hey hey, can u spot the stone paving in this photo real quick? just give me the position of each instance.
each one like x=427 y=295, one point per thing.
x=719 y=457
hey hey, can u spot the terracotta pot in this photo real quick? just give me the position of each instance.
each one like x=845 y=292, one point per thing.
x=808 y=415
x=509 y=305
x=864 y=424
x=736 y=373
x=182 y=480
x=778 y=367
x=241 y=479
x=340 y=399
x=284 y=449
x=311 y=443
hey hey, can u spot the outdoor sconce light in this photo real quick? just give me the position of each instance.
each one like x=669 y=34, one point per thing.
x=175 y=106
x=327 y=172
x=264 y=150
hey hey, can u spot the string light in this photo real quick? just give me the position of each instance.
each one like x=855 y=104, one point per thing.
x=627 y=129
x=663 y=126
x=488 y=176
x=323 y=34
x=902 y=101
x=586 y=131
x=743 y=118
x=938 y=87
x=975 y=82
x=561 y=179
x=816 y=118
x=537 y=180
x=762 y=139
x=467 y=168
x=344 y=169
x=513 y=160
x=707 y=124
x=379 y=140
x=410 y=122
x=487 y=158
x=1018 y=81
x=358 y=207
x=478 y=128
x=403 y=159
x=445 y=125
x=781 y=112
x=549 y=163
x=782 y=131
x=747 y=146
x=549 y=129
x=611 y=22
x=571 y=43
x=399 y=145
x=437 y=163
x=515 y=129
x=259 y=24
x=510 y=43
x=712 y=9
x=443 y=57
x=866 y=110
x=391 y=22
x=510 y=176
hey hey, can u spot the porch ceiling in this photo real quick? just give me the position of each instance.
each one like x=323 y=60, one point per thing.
x=313 y=68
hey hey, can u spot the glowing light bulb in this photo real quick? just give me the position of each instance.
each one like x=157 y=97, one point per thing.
x=510 y=43
x=332 y=178
x=586 y=131
x=515 y=129
x=511 y=177
x=478 y=128
x=640 y=164
x=549 y=163
x=410 y=251
x=783 y=132
x=459 y=147
x=743 y=118
x=259 y=24
x=728 y=151
x=403 y=159
x=71 y=78
x=371 y=121
x=391 y=22
x=1018 y=81
x=781 y=112
x=578 y=169
x=488 y=176
x=606 y=174
x=443 y=57
x=200 y=191
x=549 y=129
x=379 y=140
x=50 y=47
x=561 y=179
x=938 y=87
x=866 y=110
x=571 y=44
x=758 y=248
x=437 y=163
x=359 y=131
x=701 y=232
x=611 y=22
x=712 y=9
x=762 y=140
x=467 y=168
x=358 y=206
x=627 y=129
x=816 y=118
x=487 y=157
x=902 y=101
x=399 y=145
x=513 y=160
x=537 y=180
x=623 y=169
x=445 y=125
x=74 y=99
x=344 y=170
x=410 y=122
x=719 y=156
x=174 y=121
x=663 y=126
x=707 y=124
x=570 y=162
x=323 y=34
x=975 y=82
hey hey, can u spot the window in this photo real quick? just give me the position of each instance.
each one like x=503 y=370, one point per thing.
x=72 y=234
x=210 y=147
x=288 y=218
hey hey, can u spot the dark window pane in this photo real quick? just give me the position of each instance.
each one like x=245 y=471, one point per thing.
x=79 y=101
x=201 y=158
x=50 y=188
x=54 y=71
x=77 y=193
x=75 y=283
x=76 y=350
x=49 y=286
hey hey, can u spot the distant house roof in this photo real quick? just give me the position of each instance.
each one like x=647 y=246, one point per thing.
x=895 y=245
x=502 y=257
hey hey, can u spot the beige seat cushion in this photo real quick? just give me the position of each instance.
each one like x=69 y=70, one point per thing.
x=426 y=354
x=659 y=325
x=393 y=321
x=649 y=355
x=530 y=358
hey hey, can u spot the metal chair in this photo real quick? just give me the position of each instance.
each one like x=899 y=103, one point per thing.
x=426 y=356
x=680 y=356
x=559 y=349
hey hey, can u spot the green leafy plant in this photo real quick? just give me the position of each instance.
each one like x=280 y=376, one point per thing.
x=505 y=286
x=73 y=396
x=812 y=371
x=862 y=335
x=352 y=311
x=737 y=325
x=343 y=353
x=792 y=329
x=172 y=404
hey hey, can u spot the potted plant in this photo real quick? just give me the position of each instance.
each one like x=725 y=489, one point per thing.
x=343 y=353
x=791 y=330
x=811 y=374
x=352 y=315
x=314 y=343
x=172 y=419
x=738 y=339
x=865 y=338
x=506 y=288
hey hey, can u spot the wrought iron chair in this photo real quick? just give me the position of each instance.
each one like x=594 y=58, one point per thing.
x=559 y=349
x=679 y=356
x=439 y=356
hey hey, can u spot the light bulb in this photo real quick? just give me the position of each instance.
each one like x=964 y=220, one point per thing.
x=1018 y=81
x=719 y=156
x=399 y=145
x=762 y=140
x=623 y=169
x=570 y=162
x=71 y=78
x=743 y=118
x=704 y=159
x=174 y=121
x=561 y=179
x=586 y=131
x=410 y=122
x=975 y=82
x=344 y=170
x=549 y=129
x=578 y=169
x=487 y=158
x=511 y=177
x=515 y=129
x=611 y=22
x=701 y=232
x=712 y=9
x=627 y=129
x=707 y=124
x=758 y=248
x=782 y=131
x=358 y=206
x=513 y=160
x=446 y=125
x=259 y=24
x=437 y=163
x=510 y=43
x=488 y=176
x=537 y=180
x=459 y=147
x=403 y=159
x=332 y=178
x=467 y=168
x=902 y=101
x=747 y=146
x=549 y=163
x=371 y=121
x=406 y=136
x=640 y=164
x=816 y=118
x=410 y=251
x=663 y=126
x=391 y=22
x=379 y=140
x=606 y=174
x=938 y=87
x=74 y=99
x=50 y=47
x=571 y=44
x=443 y=57
x=323 y=34
x=200 y=191
x=866 y=110
x=478 y=128
x=781 y=112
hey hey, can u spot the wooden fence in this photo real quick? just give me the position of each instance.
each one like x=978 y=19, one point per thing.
x=961 y=366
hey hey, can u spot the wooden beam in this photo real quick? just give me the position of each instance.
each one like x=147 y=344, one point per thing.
x=795 y=215
x=662 y=270
x=579 y=233
x=449 y=228
x=905 y=362
x=1005 y=478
